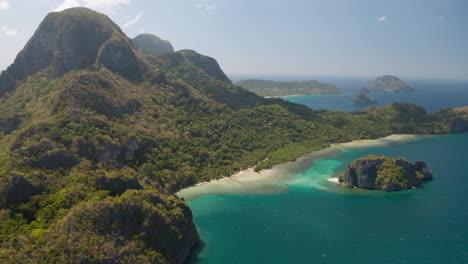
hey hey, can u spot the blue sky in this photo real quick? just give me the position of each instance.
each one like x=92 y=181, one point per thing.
x=408 y=38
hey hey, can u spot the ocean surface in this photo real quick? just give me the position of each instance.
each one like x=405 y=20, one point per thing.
x=311 y=220
x=433 y=95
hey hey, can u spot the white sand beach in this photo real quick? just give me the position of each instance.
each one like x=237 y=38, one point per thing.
x=273 y=180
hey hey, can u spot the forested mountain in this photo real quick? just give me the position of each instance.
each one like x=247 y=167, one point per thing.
x=97 y=135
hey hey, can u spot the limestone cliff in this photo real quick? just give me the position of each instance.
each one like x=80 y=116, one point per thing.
x=384 y=173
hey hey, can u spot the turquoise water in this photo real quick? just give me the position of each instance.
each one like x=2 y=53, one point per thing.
x=319 y=222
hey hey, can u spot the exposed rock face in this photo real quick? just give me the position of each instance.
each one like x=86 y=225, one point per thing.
x=388 y=83
x=363 y=98
x=456 y=125
x=145 y=219
x=387 y=174
x=152 y=43
x=70 y=40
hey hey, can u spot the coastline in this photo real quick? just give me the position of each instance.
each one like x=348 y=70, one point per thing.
x=273 y=180
x=297 y=95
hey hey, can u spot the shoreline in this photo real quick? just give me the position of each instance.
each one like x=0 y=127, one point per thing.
x=269 y=181
x=297 y=95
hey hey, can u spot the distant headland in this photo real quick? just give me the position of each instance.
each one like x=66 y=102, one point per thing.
x=267 y=88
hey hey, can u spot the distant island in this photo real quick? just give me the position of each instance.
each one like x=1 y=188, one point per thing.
x=362 y=98
x=385 y=173
x=268 y=88
x=388 y=83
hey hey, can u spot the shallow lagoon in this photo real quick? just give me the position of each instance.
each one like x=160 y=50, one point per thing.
x=310 y=220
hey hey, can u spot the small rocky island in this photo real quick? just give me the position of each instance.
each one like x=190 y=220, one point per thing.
x=362 y=98
x=388 y=83
x=385 y=173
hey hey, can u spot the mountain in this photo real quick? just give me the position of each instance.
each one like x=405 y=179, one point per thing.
x=152 y=43
x=275 y=89
x=96 y=136
x=388 y=83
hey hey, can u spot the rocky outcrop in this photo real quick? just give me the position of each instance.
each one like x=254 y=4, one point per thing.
x=152 y=43
x=73 y=39
x=384 y=173
x=362 y=98
x=121 y=227
x=456 y=125
x=388 y=83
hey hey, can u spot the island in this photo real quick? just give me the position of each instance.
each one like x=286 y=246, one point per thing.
x=268 y=88
x=385 y=173
x=362 y=98
x=98 y=135
x=388 y=83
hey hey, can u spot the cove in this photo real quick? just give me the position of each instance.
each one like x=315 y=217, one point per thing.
x=310 y=220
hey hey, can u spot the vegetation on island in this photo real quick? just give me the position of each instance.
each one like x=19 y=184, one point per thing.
x=388 y=83
x=96 y=136
x=277 y=89
x=362 y=98
x=385 y=173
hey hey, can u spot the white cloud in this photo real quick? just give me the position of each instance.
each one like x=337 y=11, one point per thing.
x=4 y=5
x=133 y=21
x=206 y=5
x=440 y=18
x=99 y=5
x=11 y=32
x=382 y=19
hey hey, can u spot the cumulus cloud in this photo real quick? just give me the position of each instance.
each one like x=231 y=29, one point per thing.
x=133 y=21
x=4 y=5
x=206 y=5
x=382 y=19
x=10 y=32
x=100 y=5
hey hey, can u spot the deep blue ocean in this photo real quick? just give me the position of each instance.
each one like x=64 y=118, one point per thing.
x=431 y=94
x=307 y=224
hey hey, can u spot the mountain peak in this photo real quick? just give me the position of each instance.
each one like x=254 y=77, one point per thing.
x=72 y=39
x=152 y=43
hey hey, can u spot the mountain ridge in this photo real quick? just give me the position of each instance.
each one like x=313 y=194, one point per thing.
x=152 y=43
